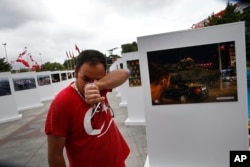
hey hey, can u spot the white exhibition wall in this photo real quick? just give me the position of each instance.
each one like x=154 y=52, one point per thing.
x=8 y=110
x=45 y=87
x=60 y=80
x=23 y=91
x=134 y=93
x=195 y=134
x=26 y=91
x=122 y=92
x=52 y=86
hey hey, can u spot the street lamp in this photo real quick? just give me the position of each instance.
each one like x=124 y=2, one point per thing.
x=4 y=45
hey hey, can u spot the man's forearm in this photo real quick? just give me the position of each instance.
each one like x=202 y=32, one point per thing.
x=113 y=79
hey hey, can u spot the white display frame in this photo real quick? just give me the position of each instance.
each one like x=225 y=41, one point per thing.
x=135 y=106
x=196 y=134
x=46 y=91
x=27 y=98
x=9 y=110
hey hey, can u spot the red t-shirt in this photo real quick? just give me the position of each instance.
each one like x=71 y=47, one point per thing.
x=92 y=137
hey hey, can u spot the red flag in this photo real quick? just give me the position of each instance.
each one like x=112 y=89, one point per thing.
x=25 y=63
x=36 y=67
x=76 y=47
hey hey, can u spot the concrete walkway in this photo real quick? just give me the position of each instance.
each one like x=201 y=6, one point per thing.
x=23 y=142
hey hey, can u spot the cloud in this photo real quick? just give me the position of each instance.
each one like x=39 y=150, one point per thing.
x=52 y=27
x=16 y=13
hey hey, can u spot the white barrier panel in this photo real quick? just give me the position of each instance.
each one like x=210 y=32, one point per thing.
x=61 y=79
x=122 y=88
x=45 y=85
x=134 y=90
x=25 y=91
x=181 y=130
x=8 y=110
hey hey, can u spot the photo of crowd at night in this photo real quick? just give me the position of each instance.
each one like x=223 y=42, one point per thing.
x=195 y=74
x=43 y=80
x=24 y=83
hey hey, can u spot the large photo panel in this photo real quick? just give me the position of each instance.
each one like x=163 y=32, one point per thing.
x=196 y=104
x=194 y=74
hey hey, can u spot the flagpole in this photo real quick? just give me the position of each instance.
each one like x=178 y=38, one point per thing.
x=25 y=48
x=67 y=63
x=70 y=63
x=73 y=57
x=70 y=56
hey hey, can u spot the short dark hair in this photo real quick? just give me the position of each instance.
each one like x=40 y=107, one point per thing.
x=91 y=56
x=156 y=73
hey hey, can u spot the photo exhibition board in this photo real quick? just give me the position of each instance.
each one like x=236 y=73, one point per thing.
x=8 y=110
x=133 y=89
x=200 y=113
x=26 y=91
x=45 y=87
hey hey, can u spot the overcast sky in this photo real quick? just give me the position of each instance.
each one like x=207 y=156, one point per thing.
x=52 y=27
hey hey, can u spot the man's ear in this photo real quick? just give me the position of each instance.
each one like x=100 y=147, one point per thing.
x=165 y=82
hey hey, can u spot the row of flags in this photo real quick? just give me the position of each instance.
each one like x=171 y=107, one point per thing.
x=32 y=63
x=71 y=54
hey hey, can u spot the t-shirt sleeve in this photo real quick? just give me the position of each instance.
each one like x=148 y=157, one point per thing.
x=57 y=122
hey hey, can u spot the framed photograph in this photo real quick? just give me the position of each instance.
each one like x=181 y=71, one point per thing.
x=55 y=77
x=63 y=76
x=24 y=83
x=134 y=73
x=121 y=66
x=69 y=75
x=4 y=87
x=43 y=80
x=195 y=74
x=194 y=86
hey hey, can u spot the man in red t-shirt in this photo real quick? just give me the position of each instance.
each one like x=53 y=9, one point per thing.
x=81 y=120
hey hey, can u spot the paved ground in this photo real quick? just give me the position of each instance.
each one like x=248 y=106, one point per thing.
x=23 y=142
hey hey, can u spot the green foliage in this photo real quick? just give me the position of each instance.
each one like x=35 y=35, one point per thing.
x=230 y=15
x=4 y=65
x=23 y=70
x=52 y=66
x=69 y=64
x=129 y=47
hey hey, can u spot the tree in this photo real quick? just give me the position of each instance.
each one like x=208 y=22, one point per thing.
x=4 y=65
x=52 y=66
x=230 y=15
x=69 y=64
x=129 y=47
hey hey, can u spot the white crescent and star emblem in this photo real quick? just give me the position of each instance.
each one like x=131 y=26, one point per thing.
x=101 y=107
